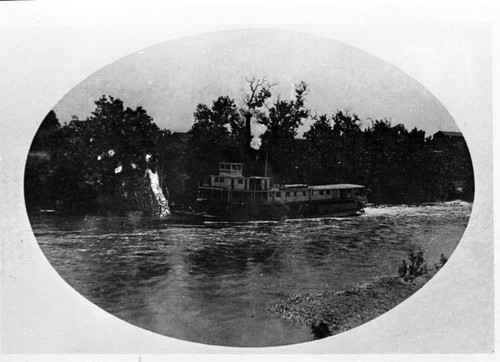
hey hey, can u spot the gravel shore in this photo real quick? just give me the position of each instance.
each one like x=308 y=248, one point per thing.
x=331 y=313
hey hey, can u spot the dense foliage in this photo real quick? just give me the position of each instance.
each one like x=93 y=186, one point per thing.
x=99 y=163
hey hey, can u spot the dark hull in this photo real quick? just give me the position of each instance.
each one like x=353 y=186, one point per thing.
x=281 y=211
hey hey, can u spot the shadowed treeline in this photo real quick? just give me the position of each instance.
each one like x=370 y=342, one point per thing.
x=99 y=164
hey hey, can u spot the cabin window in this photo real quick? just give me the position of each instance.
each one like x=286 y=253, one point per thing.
x=328 y=192
x=278 y=194
x=287 y=194
x=240 y=181
x=295 y=193
x=321 y=192
x=304 y=193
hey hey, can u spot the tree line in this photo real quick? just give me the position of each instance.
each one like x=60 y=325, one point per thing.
x=99 y=163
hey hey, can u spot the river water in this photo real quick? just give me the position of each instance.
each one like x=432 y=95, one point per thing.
x=213 y=284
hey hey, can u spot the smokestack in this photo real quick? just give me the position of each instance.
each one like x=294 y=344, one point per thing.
x=248 y=128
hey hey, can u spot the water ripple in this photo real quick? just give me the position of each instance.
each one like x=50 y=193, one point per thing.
x=213 y=284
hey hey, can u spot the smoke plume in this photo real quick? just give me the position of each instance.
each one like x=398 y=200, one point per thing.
x=257 y=130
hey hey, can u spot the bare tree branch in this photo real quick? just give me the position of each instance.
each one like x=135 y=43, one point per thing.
x=260 y=91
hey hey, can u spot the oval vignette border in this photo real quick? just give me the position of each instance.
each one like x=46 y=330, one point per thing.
x=459 y=247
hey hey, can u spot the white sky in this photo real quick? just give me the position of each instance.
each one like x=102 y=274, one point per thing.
x=170 y=79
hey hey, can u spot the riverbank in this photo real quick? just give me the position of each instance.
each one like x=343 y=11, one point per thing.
x=333 y=312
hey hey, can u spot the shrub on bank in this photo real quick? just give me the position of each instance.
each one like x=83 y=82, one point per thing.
x=331 y=313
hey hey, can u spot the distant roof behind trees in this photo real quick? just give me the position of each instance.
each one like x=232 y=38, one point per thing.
x=448 y=134
x=442 y=138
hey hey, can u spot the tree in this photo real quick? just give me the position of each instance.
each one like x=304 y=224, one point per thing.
x=101 y=162
x=285 y=117
x=216 y=136
x=44 y=136
x=322 y=156
x=254 y=107
x=282 y=123
x=258 y=94
x=38 y=190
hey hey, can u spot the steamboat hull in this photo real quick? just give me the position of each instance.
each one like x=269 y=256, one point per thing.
x=232 y=196
x=281 y=211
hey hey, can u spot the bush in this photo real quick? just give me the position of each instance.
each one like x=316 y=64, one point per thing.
x=417 y=266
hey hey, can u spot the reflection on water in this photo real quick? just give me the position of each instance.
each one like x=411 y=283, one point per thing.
x=211 y=285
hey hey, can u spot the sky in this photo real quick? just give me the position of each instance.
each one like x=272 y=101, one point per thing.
x=170 y=79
